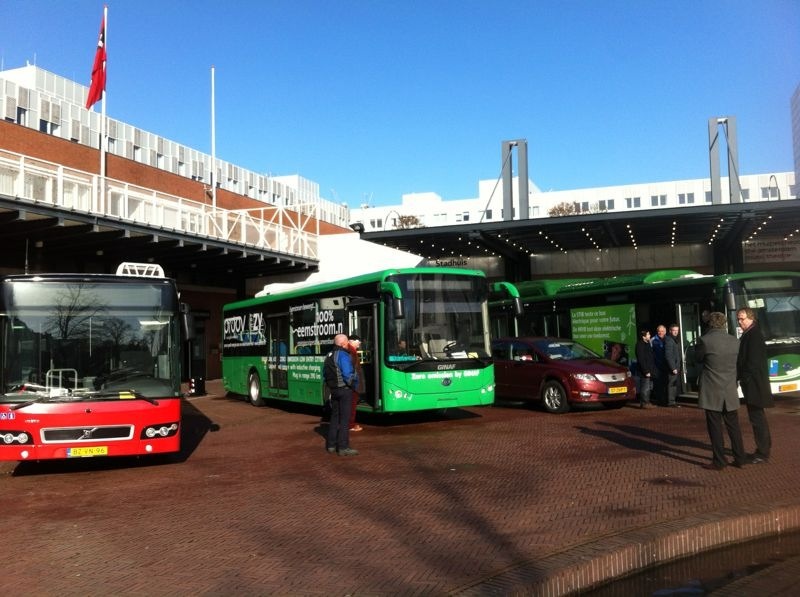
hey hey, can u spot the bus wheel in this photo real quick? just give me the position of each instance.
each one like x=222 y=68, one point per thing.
x=254 y=390
x=554 y=397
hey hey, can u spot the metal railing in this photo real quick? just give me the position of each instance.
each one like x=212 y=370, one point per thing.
x=271 y=228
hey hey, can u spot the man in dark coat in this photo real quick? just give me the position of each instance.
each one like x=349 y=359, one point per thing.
x=660 y=373
x=672 y=357
x=753 y=375
x=718 y=395
x=646 y=365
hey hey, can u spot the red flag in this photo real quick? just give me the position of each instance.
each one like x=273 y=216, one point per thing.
x=99 y=69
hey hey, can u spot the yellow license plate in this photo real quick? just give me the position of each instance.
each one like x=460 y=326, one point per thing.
x=87 y=452
x=617 y=390
x=787 y=387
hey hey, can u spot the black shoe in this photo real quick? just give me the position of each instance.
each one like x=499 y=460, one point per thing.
x=714 y=466
x=754 y=459
x=738 y=463
x=348 y=452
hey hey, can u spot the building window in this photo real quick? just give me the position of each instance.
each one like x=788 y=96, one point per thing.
x=633 y=202
x=745 y=194
x=22 y=116
x=685 y=198
x=792 y=190
x=658 y=200
x=708 y=197
x=488 y=214
x=769 y=192
x=606 y=205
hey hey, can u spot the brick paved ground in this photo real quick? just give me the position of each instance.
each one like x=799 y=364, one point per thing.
x=497 y=500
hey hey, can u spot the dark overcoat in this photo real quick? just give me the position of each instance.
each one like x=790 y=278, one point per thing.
x=717 y=350
x=752 y=369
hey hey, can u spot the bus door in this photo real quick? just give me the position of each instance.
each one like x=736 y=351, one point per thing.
x=362 y=317
x=689 y=322
x=278 y=359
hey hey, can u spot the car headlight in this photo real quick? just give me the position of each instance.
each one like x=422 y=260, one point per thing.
x=584 y=376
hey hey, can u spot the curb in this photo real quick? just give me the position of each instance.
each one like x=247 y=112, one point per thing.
x=617 y=556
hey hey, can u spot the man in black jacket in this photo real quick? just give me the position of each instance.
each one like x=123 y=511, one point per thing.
x=753 y=375
x=672 y=356
x=646 y=364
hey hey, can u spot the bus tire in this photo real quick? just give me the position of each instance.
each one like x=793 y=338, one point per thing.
x=254 y=389
x=554 y=397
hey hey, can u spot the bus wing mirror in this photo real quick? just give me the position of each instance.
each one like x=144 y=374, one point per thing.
x=187 y=321
x=508 y=289
x=519 y=310
x=393 y=289
x=730 y=299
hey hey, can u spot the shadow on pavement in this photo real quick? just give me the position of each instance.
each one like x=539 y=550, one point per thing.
x=634 y=439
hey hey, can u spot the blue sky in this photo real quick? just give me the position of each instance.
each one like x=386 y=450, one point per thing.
x=375 y=98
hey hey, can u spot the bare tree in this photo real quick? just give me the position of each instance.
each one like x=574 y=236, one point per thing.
x=72 y=311
x=565 y=208
x=408 y=222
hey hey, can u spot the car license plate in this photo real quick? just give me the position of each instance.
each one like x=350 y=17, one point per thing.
x=617 y=390
x=787 y=387
x=87 y=452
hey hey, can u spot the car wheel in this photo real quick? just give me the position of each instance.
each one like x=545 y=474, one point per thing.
x=554 y=397
x=254 y=390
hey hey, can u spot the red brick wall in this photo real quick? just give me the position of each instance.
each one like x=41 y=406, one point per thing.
x=26 y=141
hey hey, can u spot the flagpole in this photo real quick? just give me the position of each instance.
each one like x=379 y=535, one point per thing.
x=103 y=124
x=213 y=150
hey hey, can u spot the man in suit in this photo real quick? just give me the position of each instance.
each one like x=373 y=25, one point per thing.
x=753 y=375
x=718 y=396
x=672 y=356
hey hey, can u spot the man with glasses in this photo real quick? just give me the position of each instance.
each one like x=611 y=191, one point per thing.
x=753 y=375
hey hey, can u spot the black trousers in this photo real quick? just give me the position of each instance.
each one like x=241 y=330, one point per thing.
x=339 y=427
x=714 y=422
x=758 y=419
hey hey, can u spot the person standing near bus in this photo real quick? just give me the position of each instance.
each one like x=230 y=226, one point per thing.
x=660 y=371
x=353 y=344
x=646 y=364
x=341 y=387
x=753 y=375
x=717 y=395
x=672 y=358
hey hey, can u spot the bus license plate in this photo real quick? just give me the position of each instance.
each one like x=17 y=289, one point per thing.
x=787 y=387
x=87 y=452
x=617 y=390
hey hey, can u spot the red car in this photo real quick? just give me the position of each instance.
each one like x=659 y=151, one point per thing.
x=558 y=372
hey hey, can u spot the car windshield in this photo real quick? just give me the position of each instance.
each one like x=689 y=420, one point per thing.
x=565 y=350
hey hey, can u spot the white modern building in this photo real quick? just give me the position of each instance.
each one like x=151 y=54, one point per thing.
x=430 y=209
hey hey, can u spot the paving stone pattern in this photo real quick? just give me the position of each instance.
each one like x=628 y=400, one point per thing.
x=500 y=500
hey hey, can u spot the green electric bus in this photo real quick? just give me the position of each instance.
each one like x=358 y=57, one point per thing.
x=606 y=313
x=424 y=339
